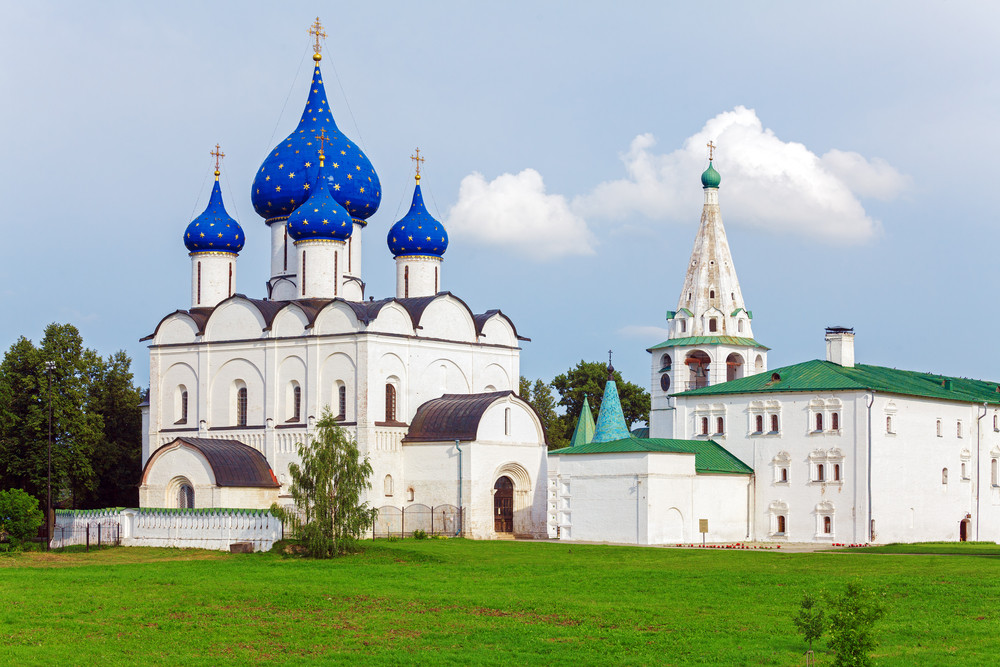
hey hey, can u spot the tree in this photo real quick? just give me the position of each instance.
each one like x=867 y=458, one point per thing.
x=327 y=490
x=22 y=418
x=539 y=396
x=853 y=615
x=587 y=379
x=20 y=517
x=809 y=620
x=117 y=456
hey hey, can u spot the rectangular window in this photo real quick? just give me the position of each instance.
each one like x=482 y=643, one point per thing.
x=241 y=407
x=958 y=428
x=774 y=423
x=342 y=403
x=820 y=473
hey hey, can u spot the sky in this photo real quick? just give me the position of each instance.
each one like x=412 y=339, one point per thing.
x=564 y=142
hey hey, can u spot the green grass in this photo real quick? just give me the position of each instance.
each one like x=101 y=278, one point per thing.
x=465 y=602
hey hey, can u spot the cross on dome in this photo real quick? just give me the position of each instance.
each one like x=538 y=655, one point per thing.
x=416 y=158
x=711 y=150
x=316 y=31
x=218 y=155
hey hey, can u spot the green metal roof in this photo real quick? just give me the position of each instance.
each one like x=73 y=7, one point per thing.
x=709 y=456
x=708 y=340
x=671 y=314
x=820 y=375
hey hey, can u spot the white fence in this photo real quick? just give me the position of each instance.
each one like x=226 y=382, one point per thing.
x=160 y=527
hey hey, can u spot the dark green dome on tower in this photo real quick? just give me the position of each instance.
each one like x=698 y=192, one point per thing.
x=710 y=178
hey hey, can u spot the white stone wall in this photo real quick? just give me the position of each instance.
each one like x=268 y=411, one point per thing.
x=213 y=529
x=213 y=278
x=417 y=275
x=320 y=267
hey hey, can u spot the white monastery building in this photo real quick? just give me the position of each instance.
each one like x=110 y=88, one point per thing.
x=423 y=383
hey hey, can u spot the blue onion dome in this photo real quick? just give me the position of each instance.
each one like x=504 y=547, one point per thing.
x=280 y=184
x=417 y=233
x=710 y=178
x=320 y=216
x=214 y=230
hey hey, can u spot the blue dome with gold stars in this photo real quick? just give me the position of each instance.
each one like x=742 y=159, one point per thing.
x=321 y=216
x=214 y=230
x=280 y=184
x=417 y=233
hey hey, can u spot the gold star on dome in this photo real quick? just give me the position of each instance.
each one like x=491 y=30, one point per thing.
x=410 y=237
x=281 y=166
x=267 y=178
x=291 y=174
x=343 y=152
x=306 y=186
x=202 y=235
x=326 y=221
x=358 y=167
x=309 y=164
x=220 y=235
x=336 y=187
x=350 y=178
x=428 y=238
x=336 y=165
x=362 y=189
x=278 y=189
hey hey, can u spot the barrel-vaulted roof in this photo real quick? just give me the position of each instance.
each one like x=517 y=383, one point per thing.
x=232 y=462
x=452 y=417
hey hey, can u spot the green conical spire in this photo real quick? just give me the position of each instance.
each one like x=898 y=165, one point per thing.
x=611 y=419
x=584 y=431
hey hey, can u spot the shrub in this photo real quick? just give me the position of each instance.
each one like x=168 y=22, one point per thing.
x=809 y=620
x=20 y=517
x=419 y=534
x=853 y=615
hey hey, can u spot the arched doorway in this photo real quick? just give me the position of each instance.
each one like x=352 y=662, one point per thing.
x=963 y=531
x=503 y=505
x=698 y=363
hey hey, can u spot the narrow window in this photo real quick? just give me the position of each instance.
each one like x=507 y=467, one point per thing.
x=712 y=324
x=835 y=421
x=994 y=479
x=336 y=272
x=435 y=280
x=995 y=426
x=888 y=424
x=739 y=326
x=781 y=523
x=939 y=428
x=836 y=472
x=185 y=497
x=199 y=284
x=684 y=326
x=296 y=404
x=704 y=425
x=406 y=282
x=303 y=272
x=759 y=424
x=506 y=421
x=719 y=425
x=819 y=421
x=410 y=494
x=732 y=295
x=689 y=296
x=944 y=475
x=774 y=423
x=965 y=471
x=349 y=239
x=390 y=403
x=387 y=485
x=230 y=279
x=241 y=407
x=184 y=407
x=784 y=475
x=342 y=402
x=284 y=260
x=820 y=473
x=958 y=429
x=827 y=525
x=711 y=294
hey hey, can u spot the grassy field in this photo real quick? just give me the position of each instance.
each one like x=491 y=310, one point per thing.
x=502 y=603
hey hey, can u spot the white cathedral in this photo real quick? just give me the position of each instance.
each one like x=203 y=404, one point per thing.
x=424 y=384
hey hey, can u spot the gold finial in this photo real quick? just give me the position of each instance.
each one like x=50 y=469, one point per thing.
x=711 y=150
x=322 y=143
x=316 y=30
x=218 y=155
x=416 y=158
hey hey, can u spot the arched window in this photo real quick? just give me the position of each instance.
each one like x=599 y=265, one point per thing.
x=888 y=423
x=181 y=405
x=684 y=326
x=704 y=425
x=836 y=472
x=827 y=525
x=506 y=421
x=835 y=421
x=958 y=428
x=820 y=472
x=713 y=324
x=944 y=475
x=241 y=406
x=781 y=523
x=784 y=475
x=390 y=403
x=759 y=424
x=185 y=497
x=342 y=402
x=996 y=427
x=774 y=423
x=410 y=494
x=665 y=362
x=720 y=426
x=296 y=403
x=994 y=473
x=819 y=421
x=739 y=325
x=939 y=428
x=965 y=471
x=711 y=294
x=387 y=485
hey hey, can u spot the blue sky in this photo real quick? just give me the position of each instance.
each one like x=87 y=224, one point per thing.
x=564 y=143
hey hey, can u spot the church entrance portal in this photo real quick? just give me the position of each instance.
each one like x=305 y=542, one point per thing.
x=963 y=530
x=503 y=505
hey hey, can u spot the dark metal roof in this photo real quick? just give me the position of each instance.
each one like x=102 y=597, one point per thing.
x=232 y=462
x=451 y=417
x=483 y=318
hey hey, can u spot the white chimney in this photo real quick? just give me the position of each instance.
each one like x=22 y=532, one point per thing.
x=840 y=346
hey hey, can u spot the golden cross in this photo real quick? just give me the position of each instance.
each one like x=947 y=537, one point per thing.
x=218 y=155
x=416 y=158
x=711 y=150
x=322 y=142
x=316 y=30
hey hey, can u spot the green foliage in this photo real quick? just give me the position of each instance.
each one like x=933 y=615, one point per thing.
x=20 y=517
x=587 y=379
x=853 y=615
x=539 y=396
x=809 y=620
x=96 y=430
x=327 y=489
x=419 y=534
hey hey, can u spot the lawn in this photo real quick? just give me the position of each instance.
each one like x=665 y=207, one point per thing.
x=466 y=602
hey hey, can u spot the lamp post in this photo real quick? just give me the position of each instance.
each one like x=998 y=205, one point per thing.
x=49 y=365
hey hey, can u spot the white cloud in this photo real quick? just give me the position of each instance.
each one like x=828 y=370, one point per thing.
x=514 y=211
x=766 y=182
